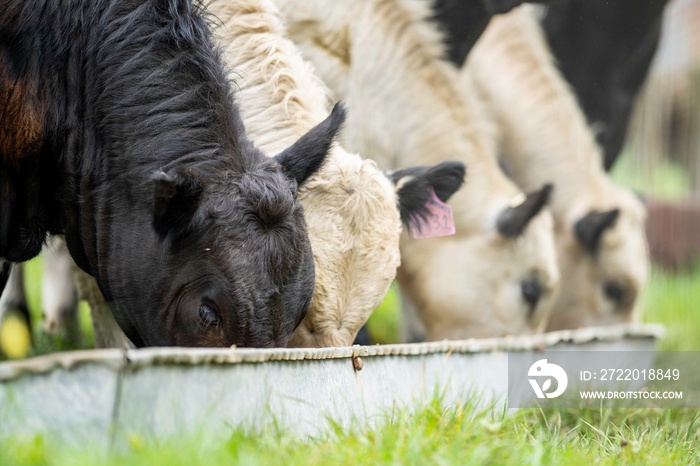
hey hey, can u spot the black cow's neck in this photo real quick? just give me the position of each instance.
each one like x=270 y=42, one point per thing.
x=462 y=23
x=30 y=74
x=604 y=50
x=126 y=88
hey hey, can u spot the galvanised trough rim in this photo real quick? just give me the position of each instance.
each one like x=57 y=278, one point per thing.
x=138 y=358
x=104 y=398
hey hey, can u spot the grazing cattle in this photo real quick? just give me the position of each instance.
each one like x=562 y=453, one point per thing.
x=119 y=131
x=351 y=207
x=498 y=274
x=600 y=227
x=604 y=49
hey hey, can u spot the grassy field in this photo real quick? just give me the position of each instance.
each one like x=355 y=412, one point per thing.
x=438 y=434
x=432 y=434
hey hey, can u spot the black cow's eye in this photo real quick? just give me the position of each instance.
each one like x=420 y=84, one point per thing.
x=208 y=315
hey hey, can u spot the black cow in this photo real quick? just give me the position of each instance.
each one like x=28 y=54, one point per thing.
x=604 y=49
x=118 y=129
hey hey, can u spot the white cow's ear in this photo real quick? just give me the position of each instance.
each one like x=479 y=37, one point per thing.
x=512 y=221
x=591 y=227
x=175 y=200
x=414 y=186
x=303 y=158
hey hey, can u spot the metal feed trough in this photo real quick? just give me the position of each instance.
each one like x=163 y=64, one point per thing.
x=106 y=397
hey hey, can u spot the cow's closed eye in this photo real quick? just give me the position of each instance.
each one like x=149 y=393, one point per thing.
x=208 y=316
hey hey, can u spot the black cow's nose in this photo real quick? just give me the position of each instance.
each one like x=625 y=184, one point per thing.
x=531 y=291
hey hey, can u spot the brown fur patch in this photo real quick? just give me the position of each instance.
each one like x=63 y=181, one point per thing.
x=21 y=125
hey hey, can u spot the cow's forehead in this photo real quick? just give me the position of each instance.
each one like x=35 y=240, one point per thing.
x=238 y=235
x=269 y=197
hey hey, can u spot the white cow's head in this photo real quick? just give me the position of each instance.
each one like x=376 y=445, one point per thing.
x=604 y=260
x=354 y=218
x=499 y=279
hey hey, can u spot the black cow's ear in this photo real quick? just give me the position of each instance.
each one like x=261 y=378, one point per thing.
x=305 y=157
x=591 y=227
x=413 y=186
x=176 y=198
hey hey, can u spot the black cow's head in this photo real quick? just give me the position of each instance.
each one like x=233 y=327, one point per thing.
x=231 y=261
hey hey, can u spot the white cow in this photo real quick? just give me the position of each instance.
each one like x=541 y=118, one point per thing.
x=601 y=242
x=498 y=275
x=350 y=206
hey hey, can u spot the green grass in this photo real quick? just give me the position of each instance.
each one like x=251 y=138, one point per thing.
x=672 y=300
x=383 y=324
x=665 y=180
x=432 y=434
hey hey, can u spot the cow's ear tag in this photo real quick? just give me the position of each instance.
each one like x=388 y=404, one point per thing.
x=438 y=219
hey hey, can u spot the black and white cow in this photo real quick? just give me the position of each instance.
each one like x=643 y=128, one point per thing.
x=604 y=50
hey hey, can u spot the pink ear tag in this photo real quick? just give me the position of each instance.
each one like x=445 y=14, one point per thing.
x=438 y=220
